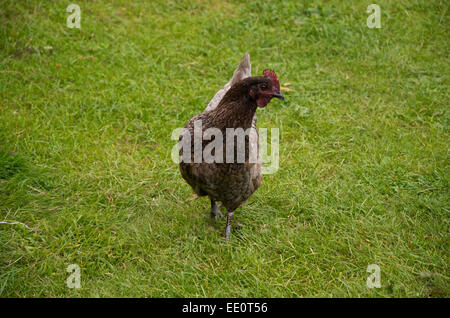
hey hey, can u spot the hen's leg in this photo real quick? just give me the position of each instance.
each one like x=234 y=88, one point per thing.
x=215 y=210
x=228 y=227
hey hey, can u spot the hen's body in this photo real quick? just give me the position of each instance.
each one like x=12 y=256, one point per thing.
x=230 y=182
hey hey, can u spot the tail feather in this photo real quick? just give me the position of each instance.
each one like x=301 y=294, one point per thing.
x=243 y=70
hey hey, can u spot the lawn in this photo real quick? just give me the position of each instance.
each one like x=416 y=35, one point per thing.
x=86 y=117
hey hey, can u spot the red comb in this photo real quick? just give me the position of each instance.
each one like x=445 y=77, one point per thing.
x=273 y=77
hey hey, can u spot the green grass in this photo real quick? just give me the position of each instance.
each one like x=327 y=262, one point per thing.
x=85 y=149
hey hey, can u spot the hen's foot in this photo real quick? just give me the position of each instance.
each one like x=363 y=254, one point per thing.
x=227 y=233
x=215 y=211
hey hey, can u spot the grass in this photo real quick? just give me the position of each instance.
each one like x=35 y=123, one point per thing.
x=85 y=149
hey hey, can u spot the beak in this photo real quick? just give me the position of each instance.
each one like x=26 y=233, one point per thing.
x=278 y=94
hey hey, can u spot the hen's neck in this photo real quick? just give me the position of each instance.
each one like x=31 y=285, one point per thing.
x=235 y=114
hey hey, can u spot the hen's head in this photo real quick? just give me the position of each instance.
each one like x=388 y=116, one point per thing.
x=263 y=89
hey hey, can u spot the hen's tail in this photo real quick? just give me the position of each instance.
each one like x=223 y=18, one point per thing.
x=243 y=70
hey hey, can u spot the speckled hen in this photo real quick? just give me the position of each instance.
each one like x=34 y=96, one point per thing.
x=228 y=179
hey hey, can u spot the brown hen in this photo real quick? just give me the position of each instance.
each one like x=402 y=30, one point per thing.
x=219 y=148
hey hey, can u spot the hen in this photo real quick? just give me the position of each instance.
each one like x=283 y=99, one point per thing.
x=211 y=161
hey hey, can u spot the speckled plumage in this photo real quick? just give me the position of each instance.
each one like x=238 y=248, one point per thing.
x=229 y=183
x=233 y=107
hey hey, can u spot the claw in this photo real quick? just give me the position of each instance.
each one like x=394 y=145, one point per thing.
x=215 y=211
x=227 y=233
x=218 y=213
